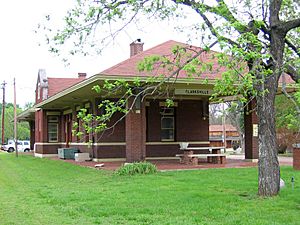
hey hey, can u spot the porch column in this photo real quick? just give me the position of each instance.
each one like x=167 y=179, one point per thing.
x=74 y=119
x=135 y=128
x=95 y=136
x=32 y=134
x=40 y=126
x=251 y=131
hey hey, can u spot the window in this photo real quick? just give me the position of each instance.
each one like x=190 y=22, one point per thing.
x=167 y=124
x=53 y=129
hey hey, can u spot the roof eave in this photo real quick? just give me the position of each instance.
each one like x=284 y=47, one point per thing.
x=27 y=114
x=101 y=77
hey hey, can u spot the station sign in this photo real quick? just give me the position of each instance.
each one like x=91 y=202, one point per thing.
x=193 y=91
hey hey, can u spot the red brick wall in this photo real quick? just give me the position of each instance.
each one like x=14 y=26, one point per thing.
x=113 y=151
x=74 y=119
x=135 y=126
x=189 y=124
x=162 y=150
x=189 y=121
x=39 y=126
x=296 y=158
x=251 y=143
x=117 y=151
x=116 y=134
x=153 y=121
x=110 y=151
x=47 y=149
x=36 y=131
x=32 y=134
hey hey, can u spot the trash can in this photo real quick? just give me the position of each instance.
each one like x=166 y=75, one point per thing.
x=296 y=156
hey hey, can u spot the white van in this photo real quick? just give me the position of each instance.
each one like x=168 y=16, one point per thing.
x=23 y=146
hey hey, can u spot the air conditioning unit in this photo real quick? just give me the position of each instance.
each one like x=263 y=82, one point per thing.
x=81 y=157
x=67 y=153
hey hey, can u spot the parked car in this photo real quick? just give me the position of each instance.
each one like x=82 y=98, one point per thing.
x=23 y=146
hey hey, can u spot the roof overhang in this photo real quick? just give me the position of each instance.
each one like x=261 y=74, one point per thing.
x=82 y=91
x=27 y=115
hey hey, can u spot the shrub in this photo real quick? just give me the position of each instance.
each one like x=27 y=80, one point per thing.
x=136 y=168
x=281 y=149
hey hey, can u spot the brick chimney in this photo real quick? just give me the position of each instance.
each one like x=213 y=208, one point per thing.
x=82 y=75
x=136 y=47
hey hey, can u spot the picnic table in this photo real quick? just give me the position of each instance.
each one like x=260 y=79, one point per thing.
x=213 y=154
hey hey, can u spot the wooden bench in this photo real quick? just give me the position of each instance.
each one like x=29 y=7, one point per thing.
x=210 y=149
x=214 y=158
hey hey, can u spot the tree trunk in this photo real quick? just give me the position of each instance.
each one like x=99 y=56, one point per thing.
x=242 y=142
x=268 y=165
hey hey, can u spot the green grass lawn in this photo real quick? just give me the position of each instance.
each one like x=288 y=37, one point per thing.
x=41 y=191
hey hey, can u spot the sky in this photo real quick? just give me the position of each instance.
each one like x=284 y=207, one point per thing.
x=22 y=57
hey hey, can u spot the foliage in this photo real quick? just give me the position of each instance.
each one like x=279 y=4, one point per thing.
x=259 y=41
x=28 y=105
x=23 y=127
x=166 y=70
x=287 y=124
x=286 y=115
x=137 y=168
x=72 y=194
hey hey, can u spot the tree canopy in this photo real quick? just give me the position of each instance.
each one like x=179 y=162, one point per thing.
x=23 y=127
x=259 y=44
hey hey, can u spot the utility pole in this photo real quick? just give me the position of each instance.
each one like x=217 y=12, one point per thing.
x=3 y=112
x=224 y=127
x=15 y=118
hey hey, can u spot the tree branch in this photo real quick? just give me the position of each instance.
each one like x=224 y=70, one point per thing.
x=213 y=30
x=275 y=6
x=293 y=73
x=150 y=90
x=292 y=46
x=290 y=97
x=289 y=25
x=198 y=7
x=220 y=10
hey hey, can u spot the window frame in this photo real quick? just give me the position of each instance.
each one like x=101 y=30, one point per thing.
x=52 y=120
x=168 y=113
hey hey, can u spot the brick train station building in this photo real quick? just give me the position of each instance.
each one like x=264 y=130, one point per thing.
x=150 y=132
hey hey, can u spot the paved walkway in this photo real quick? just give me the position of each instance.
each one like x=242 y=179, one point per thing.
x=283 y=160
x=232 y=161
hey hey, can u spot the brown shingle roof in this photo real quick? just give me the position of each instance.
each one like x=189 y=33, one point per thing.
x=56 y=85
x=129 y=66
